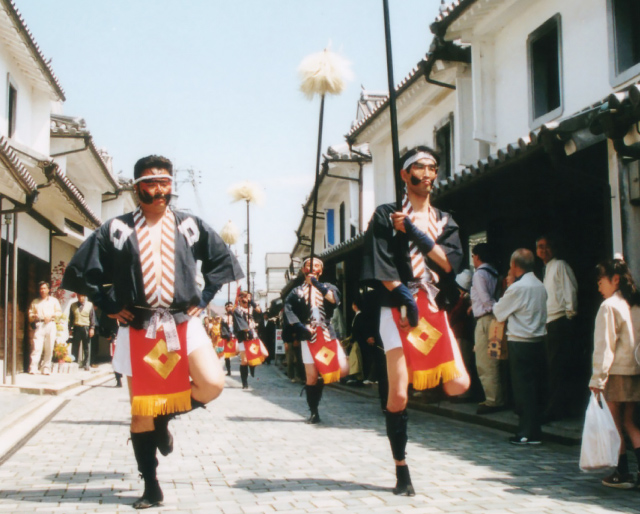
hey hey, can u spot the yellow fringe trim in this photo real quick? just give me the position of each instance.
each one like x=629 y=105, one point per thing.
x=154 y=405
x=428 y=379
x=329 y=378
x=256 y=362
x=229 y=355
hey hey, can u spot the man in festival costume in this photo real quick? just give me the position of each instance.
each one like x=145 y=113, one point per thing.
x=411 y=257
x=227 y=335
x=308 y=309
x=147 y=258
x=245 y=327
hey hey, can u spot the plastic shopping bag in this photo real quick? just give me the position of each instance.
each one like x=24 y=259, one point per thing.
x=600 y=438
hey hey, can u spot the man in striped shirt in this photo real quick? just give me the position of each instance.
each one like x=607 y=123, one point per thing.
x=412 y=256
x=140 y=269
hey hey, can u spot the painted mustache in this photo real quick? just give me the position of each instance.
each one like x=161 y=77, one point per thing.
x=416 y=181
x=146 y=198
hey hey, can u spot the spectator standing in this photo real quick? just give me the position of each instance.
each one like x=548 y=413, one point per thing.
x=616 y=374
x=562 y=306
x=524 y=308
x=43 y=313
x=483 y=298
x=82 y=323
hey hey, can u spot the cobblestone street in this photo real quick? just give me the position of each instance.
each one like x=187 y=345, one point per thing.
x=250 y=452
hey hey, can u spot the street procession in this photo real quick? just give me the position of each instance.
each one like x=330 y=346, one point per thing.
x=320 y=256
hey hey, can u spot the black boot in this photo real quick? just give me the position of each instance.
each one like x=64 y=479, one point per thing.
x=164 y=439
x=252 y=370
x=314 y=395
x=118 y=378
x=403 y=482
x=227 y=364
x=244 y=373
x=144 y=448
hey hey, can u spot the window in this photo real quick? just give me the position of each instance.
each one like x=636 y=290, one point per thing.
x=545 y=72
x=342 y=223
x=330 y=226
x=12 y=105
x=624 y=39
x=443 y=138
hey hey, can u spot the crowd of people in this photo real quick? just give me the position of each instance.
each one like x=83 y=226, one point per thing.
x=421 y=323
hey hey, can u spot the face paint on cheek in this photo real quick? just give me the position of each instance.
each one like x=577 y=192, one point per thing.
x=145 y=197
x=415 y=181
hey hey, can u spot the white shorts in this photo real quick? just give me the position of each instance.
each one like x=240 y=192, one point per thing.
x=390 y=335
x=307 y=358
x=196 y=337
x=240 y=346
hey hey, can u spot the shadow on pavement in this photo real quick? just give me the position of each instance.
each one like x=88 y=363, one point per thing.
x=90 y=422
x=88 y=476
x=260 y=420
x=257 y=485
x=103 y=495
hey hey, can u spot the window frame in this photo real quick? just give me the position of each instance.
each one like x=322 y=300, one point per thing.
x=447 y=120
x=535 y=122
x=12 y=107
x=615 y=77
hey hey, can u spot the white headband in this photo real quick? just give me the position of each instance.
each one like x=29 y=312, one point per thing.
x=152 y=177
x=416 y=158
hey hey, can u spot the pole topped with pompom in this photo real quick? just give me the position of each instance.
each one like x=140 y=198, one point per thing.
x=322 y=73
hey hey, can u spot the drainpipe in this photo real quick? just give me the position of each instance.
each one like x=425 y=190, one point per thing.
x=442 y=50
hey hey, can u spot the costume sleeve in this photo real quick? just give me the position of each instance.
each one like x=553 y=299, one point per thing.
x=89 y=268
x=225 y=331
x=378 y=256
x=219 y=265
x=449 y=241
x=604 y=346
x=290 y=316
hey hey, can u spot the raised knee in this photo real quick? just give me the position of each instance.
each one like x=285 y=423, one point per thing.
x=397 y=401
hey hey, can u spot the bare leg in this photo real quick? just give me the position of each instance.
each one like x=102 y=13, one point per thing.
x=398 y=385
x=206 y=374
x=629 y=425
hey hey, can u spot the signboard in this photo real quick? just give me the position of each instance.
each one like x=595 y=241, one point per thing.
x=279 y=342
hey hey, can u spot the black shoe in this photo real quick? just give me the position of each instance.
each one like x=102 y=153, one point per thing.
x=403 y=482
x=619 y=481
x=314 y=419
x=151 y=497
x=524 y=441
x=228 y=373
x=488 y=409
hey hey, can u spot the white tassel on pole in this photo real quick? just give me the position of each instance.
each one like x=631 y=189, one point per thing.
x=322 y=73
x=247 y=191
x=229 y=233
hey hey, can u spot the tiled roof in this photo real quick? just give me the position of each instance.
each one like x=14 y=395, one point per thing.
x=449 y=11
x=342 y=248
x=34 y=50
x=15 y=166
x=70 y=191
x=560 y=131
x=382 y=102
x=70 y=126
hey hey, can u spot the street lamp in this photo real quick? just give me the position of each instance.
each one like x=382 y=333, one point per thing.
x=250 y=192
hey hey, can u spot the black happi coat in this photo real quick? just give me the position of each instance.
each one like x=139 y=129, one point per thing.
x=296 y=310
x=386 y=255
x=241 y=324
x=107 y=269
x=226 y=328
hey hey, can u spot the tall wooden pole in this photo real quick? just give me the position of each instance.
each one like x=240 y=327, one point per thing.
x=248 y=251
x=392 y=108
x=315 y=188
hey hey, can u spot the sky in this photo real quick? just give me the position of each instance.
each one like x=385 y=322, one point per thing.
x=213 y=85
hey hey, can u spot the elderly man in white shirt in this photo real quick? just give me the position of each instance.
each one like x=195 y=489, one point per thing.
x=562 y=306
x=524 y=308
x=43 y=314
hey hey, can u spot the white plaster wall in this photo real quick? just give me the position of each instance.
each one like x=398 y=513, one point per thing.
x=585 y=63
x=33 y=107
x=368 y=194
x=33 y=237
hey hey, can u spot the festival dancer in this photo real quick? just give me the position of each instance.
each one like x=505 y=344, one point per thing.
x=227 y=335
x=409 y=258
x=252 y=350
x=149 y=256
x=309 y=323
